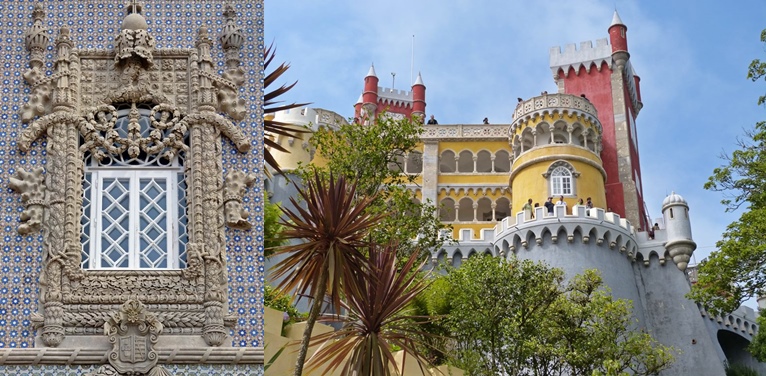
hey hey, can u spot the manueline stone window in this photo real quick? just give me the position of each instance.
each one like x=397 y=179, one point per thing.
x=134 y=214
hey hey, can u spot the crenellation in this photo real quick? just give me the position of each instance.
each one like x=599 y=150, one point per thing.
x=586 y=56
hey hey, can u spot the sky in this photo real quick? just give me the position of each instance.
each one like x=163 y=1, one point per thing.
x=476 y=57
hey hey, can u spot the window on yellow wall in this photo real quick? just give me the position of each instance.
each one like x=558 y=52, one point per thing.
x=561 y=182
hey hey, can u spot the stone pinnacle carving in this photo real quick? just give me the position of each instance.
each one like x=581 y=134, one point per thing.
x=134 y=42
x=31 y=186
x=234 y=76
x=36 y=38
x=234 y=189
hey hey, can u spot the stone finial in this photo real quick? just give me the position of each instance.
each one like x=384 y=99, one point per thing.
x=134 y=41
x=231 y=35
x=36 y=37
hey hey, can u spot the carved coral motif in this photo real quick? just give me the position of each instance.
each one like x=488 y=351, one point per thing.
x=133 y=331
x=234 y=188
x=31 y=186
x=164 y=138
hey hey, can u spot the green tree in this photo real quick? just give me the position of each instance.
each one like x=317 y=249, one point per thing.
x=272 y=229
x=373 y=155
x=735 y=271
x=519 y=317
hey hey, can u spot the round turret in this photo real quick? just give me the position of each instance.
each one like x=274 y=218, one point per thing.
x=618 y=34
x=556 y=141
x=419 y=98
x=675 y=212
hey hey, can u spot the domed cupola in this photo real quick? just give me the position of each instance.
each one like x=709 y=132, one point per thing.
x=675 y=213
x=674 y=199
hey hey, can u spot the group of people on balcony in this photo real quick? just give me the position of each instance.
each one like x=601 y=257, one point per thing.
x=529 y=209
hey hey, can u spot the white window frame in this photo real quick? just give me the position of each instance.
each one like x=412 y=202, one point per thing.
x=134 y=174
x=559 y=176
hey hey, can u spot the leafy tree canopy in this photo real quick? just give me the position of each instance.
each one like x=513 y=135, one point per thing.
x=372 y=154
x=520 y=318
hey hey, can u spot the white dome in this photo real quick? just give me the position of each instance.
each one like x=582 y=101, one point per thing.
x=674 y=199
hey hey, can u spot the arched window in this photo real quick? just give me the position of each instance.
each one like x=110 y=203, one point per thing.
x=483 y=161
x=465 y=163
x=561 y=180
x=502 y=208
x=447 y=210
x=502 y=161
x=447 y=161
x=415 y=162
x=465 y=212
x=484 y=210
x=134 y=202
x=396 y=164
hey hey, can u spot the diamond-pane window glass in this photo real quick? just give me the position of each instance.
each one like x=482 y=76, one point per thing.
x=561 y=181
x=134 y=211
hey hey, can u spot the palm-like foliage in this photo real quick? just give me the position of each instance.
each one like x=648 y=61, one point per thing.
x=377 y=302
x=270 y=126
x=333 y=228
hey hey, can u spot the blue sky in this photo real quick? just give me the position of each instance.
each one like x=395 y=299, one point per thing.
x=477 y=57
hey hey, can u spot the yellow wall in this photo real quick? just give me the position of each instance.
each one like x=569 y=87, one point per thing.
x=529 y=181
x=474 y=146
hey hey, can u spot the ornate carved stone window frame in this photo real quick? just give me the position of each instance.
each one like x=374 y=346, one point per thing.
x=65 y=107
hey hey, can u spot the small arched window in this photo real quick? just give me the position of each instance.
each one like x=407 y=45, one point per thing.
x=561 y=181
x=560 y=177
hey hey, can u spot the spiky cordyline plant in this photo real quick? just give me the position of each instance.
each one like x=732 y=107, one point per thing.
x=377 y=301
x=275 y=128
x=333 y=229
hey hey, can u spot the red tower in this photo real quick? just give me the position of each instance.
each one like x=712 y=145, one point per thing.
x=376 y=99
x=605 y=76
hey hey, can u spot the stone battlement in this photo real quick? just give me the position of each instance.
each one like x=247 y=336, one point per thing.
x=586 y=56
x=603 y=228
x=554 y=103
x=394 y=95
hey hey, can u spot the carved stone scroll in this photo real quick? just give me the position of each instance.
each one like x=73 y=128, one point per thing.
x=31 y=185
x=234 y=188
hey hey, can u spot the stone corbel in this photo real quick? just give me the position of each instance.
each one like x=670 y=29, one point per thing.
x=31 y=186
x=234 y=188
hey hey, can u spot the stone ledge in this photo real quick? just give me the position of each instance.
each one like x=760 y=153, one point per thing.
x=204 y=355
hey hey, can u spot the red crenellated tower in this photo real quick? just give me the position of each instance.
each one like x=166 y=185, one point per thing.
x=376 y=99
x=605 y=76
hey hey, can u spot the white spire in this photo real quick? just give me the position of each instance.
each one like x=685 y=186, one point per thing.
x=371 y=73
x=616 y=19
x=360 y=99
x=419 y=80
